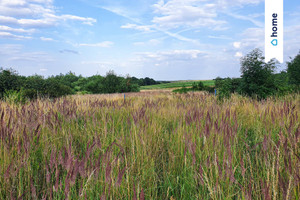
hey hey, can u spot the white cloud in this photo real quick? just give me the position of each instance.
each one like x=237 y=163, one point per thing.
x=221 y=37
x=152 y=42
x=22 y=14
x=104 y=44
x=46 y=39
x=247 y=18
x=38 y=23
x=7 y=20
x=16 y=30
x=237 y=45
x=236 y=3
x=198 y=13
x=238 y=54
x=84 y=20
x=137 y=27
x=69 y=51
x=13 y=2
x=173 y=55
x=8 y=35
x=253 y=38
x=188 y=13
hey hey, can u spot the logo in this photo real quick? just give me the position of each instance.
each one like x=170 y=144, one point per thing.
x=274 y=30
x=274 y=42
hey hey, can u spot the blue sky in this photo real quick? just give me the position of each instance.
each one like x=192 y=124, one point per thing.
x=162 y=39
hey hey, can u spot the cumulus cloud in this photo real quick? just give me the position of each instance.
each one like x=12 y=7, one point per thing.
x=194 y=13
x=189 y=13
x=237 y=45
x=23 y=15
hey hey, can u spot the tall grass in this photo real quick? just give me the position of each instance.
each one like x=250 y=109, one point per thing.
x=150 y=146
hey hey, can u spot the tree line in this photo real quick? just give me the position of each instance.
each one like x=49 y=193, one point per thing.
x=258 y=79
x=65 y=84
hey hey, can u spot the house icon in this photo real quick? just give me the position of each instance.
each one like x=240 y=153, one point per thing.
x=274 y=42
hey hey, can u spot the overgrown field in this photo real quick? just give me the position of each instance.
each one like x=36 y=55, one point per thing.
x=177 y=84
x=150 y=146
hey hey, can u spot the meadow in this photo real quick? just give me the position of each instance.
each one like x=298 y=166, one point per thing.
x=152 y=145
x=177 y=84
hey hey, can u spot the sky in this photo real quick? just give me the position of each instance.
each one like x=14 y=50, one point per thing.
x=161 y=39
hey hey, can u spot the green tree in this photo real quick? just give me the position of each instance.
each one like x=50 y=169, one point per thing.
x=79 y=85
x=257 y=75
x=10 y=80
x=282 y=83
x=293 y=71
x=225 y=88
x=111 y=82
x=34 y=86
x=54 y=89
x=218 y=82
x=128 y=85
x=94 y=84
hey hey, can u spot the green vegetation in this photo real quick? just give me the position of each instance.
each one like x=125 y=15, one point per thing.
x=146 y=81
x=32 y=87
x=259 y=80
x=257 y=76
x=155 y=145
x=197 y=86
x=177 y=84
x=293 y=71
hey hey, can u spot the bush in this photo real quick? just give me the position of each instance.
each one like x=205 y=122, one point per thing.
x=199 y=86
x=55 y=89
x=225 y=88
x=15 y=97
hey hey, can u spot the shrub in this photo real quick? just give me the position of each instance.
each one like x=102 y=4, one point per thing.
x=225 y=88
x=15 y=97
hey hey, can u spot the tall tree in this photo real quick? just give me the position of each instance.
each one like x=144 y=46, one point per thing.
x=293 y=70
x=257 y=75
x=9 y=80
